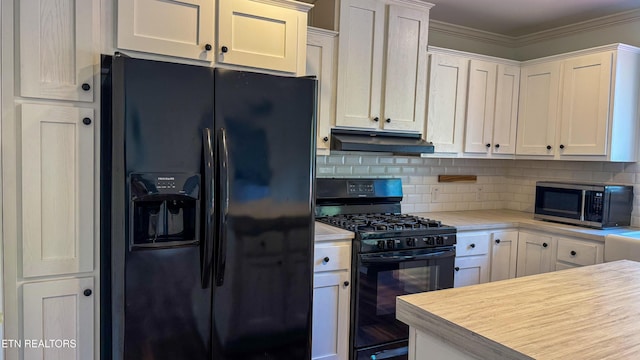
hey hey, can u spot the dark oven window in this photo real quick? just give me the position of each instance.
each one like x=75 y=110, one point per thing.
x=384 y=276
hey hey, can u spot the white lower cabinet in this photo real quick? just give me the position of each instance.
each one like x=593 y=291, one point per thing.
x=58 y=319
x=504 y=253
x=535 y=253
x=573 y=252
x=472 y=259
x=331 y=294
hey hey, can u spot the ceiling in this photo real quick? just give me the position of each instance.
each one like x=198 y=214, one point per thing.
x=523 y=17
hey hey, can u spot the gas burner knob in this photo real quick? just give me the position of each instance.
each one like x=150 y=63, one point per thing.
x=381 y=244
x=439 y=240
x=429 y=240
x=391 y=244
x=411 y=242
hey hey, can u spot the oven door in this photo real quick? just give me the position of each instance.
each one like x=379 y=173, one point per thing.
x=384 y=276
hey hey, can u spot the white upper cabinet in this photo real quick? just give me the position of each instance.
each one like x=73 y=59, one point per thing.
x=473 y=104
x=538 y=111
x=57 y=189
x=447 y=102
x=375 y=90
x=405 y=78
x=182 y=28
x=581 y=106
x=506 y=112
x=480 y=106
x=360 y=63
x=58 y=47
x=321 y=46
x=585 y=104
x=265 y=34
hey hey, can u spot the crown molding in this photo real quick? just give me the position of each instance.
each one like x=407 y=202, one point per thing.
x=471 y=33
x=589 y=25
x=517 y=41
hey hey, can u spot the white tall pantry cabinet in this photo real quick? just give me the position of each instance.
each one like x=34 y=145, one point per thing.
x=49 y=138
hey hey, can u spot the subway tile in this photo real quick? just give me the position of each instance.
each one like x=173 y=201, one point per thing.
x=393 y=170
x=408 y=189
x=408 y=170
x=360 y=170
x=344 y=170
x=385 y=160
x=369 y=160
x=352 y=160
x=335 y=159
x=401 y=160
x=422 y=208
x=377 y=170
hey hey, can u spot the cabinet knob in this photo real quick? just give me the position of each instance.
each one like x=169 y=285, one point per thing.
x=548 y=147
x=86 y=121
x=497 y=146
x=325 y=139
x=224 y=49
x=87 y=292
x=376 y=119
x=472 y=245
x=456 y=268
x=86 y=87
x=208 y=47
x=545 y=244
x=561 y=146
x=497 y=241
x=488 y=145
x=346 y=283
x=326 y=259
x=388 y=120
x=573 y=253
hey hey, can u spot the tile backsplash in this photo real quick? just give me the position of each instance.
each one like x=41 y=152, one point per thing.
x=501 y=184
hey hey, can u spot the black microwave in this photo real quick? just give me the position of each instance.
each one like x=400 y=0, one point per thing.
x=591 y=205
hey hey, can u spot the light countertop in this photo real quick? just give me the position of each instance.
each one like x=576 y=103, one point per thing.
x=592 y=312
x=501 y=219
x=326 y=232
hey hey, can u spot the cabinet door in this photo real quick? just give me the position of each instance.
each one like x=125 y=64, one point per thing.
x=538 y=111
x=406 y=67
x=480 y=106
x=259 y=35
x=535 y=254
x=447 y=102
x=57 y=189
x=330 y=316
x=57 y=47
x=180 y=28
x=320 y=63
x=504 y=253
x=471 y=270
x=579 y=252
x=360 y=59
x=506 y=113
x=586 y=88
x=61 y=311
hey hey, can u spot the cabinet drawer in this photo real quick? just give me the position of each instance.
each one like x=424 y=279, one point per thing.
x=339 y=257
x=468 y=245
x=577 y=252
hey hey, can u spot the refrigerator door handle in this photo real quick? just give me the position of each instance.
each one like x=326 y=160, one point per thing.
x=209 y=197
x=223 y=167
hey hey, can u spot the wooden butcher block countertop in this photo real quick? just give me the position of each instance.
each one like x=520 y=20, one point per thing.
x=591 y=312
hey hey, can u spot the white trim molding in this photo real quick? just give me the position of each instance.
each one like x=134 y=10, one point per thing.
x=518 y=41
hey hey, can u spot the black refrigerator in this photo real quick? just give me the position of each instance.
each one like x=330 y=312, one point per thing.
x=207 y=179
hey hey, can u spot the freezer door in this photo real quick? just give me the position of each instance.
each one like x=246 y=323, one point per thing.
x=263 y=265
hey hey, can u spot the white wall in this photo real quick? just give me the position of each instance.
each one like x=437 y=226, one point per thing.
x=506 y=184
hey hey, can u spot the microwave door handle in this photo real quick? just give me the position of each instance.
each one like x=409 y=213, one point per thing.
x=209 y=197
x=223 y=201
x=584 y=197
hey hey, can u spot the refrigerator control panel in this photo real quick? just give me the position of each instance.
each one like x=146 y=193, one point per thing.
x=145 y=184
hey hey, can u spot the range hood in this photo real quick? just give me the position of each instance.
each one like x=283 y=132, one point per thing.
x=379 y=141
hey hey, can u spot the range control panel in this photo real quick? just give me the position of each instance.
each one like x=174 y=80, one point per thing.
x=360 y=188
x=407 y=243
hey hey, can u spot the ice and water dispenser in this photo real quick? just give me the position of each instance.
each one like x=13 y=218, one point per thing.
x=165 y=210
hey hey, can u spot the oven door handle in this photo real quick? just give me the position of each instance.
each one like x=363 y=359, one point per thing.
x=373 y=259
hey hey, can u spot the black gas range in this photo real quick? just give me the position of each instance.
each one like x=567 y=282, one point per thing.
x=394 y=254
